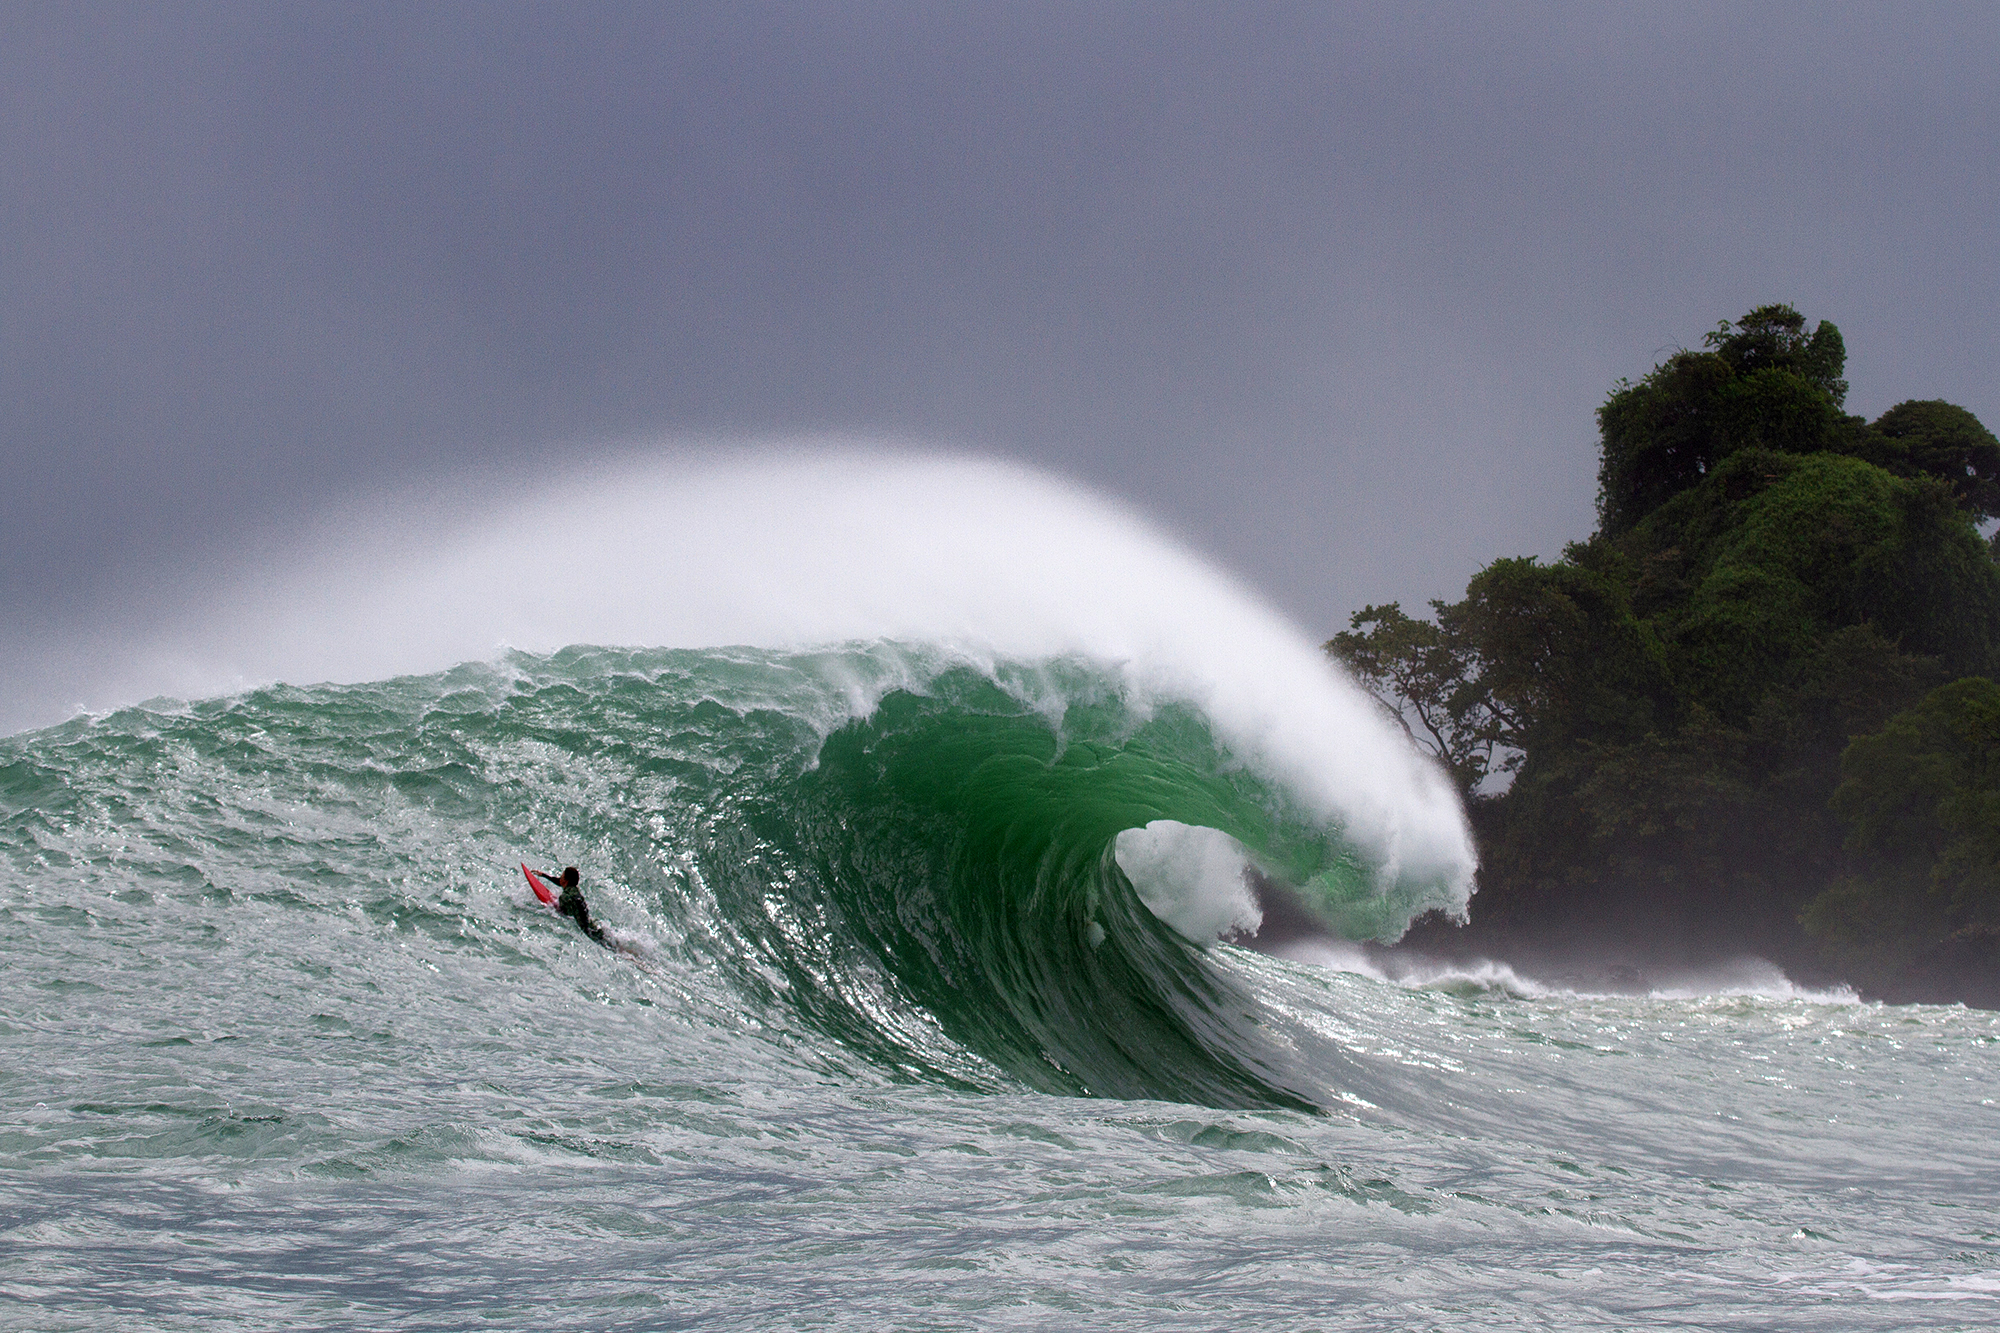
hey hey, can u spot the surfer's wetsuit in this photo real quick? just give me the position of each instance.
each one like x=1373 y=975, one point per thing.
x=572 y=905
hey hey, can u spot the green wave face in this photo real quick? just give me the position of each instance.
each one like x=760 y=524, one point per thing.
x=878 y=854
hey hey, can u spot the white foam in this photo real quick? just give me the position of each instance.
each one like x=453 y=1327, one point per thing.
x=1414 y=971
x=1744 y=978
x=1190 y=877
x=797 y=546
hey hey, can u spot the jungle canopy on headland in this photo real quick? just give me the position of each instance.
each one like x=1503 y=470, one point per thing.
x=1754 y=712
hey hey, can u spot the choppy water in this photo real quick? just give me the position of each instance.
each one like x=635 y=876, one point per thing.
x=896 y=1041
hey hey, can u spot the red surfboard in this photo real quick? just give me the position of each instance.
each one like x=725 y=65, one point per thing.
x=535 y=883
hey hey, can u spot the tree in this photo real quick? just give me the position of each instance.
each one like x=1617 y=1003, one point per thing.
x=1921 y=803
x=1774 y=552
x=1426 y=677
x=1942 y=440
x=1669 y=703
x=1764 y=383
x=1533 y=652
x=1660 y=437
x=1773 y=337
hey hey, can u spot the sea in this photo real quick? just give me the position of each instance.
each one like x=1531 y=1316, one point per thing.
x=933 y=997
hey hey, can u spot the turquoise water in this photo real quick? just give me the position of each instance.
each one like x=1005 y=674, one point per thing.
x=893 y=1040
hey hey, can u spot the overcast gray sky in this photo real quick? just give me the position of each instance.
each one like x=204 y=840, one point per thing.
x=1331 y=290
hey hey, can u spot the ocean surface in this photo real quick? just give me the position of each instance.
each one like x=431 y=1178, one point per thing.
x=932 y=1009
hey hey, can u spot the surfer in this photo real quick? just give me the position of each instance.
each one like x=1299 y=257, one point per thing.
x=572 y=904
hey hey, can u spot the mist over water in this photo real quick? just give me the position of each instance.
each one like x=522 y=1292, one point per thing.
x=796 y=547
x=924 y=797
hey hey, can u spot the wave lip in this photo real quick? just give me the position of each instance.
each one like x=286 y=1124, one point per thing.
x=961 y=684
x=946 y=868
x=1037 y=856
x=786 y=547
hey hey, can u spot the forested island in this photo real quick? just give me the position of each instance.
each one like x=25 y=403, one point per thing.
x=1755 y=712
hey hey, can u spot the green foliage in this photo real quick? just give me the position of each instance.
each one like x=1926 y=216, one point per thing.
x=1773 y=338
x=1653 y=726
x=1921 y=802
x=1764 y=384
x=1561 y=655
x=1661 y=436
x=1773 y=552
x=1425 y=676
x=1534 y=651
x=1944 y=441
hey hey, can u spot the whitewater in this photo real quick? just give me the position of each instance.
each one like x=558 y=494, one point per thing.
x=931 y=804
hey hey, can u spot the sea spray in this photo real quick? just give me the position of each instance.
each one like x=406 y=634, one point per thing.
x=885 y=851
x=790 y=548
x=289 y=1042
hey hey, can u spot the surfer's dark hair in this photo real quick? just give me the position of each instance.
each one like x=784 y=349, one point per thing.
x=568 y=879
